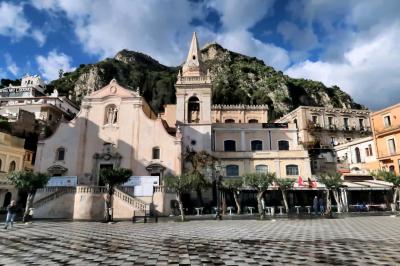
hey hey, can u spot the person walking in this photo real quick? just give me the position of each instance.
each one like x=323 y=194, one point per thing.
x=321 y=206
x=11 y=212
x=315 y=205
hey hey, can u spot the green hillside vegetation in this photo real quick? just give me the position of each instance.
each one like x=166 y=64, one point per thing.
x=237 y=79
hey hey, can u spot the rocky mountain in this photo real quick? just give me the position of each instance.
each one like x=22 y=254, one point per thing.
x=237 y=79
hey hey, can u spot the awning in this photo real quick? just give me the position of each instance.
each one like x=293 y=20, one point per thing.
x=368 y=185
x=306 y=186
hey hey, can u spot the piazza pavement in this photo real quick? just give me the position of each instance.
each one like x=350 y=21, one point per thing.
x=345 y=241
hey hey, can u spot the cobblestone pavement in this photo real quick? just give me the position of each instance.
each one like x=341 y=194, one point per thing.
x=355 y=240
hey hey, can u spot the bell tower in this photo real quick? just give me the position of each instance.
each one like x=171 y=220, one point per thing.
x=193 y=99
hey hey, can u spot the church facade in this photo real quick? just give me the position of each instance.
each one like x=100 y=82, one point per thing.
x=116 y=128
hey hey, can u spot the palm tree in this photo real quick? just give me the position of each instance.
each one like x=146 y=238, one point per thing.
x=28 y=181
x=392 y=178
x=113 y=178
x=260 y=182
x=284 y=185
x=333 y=182
x=234 y=185
x=180 y=184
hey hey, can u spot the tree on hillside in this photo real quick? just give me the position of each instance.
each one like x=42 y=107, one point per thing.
x=234 y=185
x=179 y=184
x=29 y=182
x=199 y=163
x=392 y=178
x=260 y=182
x=113 y=178
x=284 y=185
x=333 y=182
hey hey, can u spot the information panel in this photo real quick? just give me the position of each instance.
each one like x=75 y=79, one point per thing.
x=63 y=181
x=143 y=185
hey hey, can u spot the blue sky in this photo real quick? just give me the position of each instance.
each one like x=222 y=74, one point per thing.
x=350 y=43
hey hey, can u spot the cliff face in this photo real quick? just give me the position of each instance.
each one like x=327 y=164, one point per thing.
x=237 y=79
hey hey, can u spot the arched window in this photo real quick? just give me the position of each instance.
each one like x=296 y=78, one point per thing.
x=12 y=166
x=111 y=114
x=156 y=153
x=262 y=168
x=295 y=122
x=253 y=121
x=60 y=154
x=232 y=170
x=292 y=169
x=358 y=155
x=229 y=145
x=283 y=145
x=256 y=145
x=0 y=164
x=194 y=110
x=229 y=121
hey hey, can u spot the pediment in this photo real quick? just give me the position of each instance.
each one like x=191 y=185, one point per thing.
x=113 y=89
x=57 y=169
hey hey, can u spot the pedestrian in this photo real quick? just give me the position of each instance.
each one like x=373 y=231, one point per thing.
x=11 y=212
x=315 y=205
x=321 y=206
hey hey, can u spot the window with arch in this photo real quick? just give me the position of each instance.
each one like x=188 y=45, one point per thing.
x=156 y=153
x=1 y=162
x=292 y=169
x=60 y=154
x=256 y=145
x=194 y=110
x=283 y=145
x=358 y=155
x=229 y=121
x=232 y=170
x=251 y=121
x=12 y=166
x=111 y=114
x=262 y=168
x=229 y=145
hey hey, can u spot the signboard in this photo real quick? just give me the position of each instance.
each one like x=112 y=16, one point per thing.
x=274 y=125
x=143 y=185
x=62 y=181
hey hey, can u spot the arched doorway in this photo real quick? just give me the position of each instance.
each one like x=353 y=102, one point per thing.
x=7 y=199
x=194 y=110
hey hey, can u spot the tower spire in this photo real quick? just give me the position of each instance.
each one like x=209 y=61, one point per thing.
x=193 y=65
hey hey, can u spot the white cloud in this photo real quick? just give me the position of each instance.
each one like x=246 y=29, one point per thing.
x=369 y=71
x=243 y=42
x=163 y=29
x=239 y=14
x=39 y=36
x=11 y=65
x=50 y=66
x=301 y=39
x=12 y=21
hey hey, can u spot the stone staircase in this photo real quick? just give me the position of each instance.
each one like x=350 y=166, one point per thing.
x=137 y=204
x=60 y=191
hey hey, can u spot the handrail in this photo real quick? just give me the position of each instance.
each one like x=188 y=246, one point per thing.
x=91 y=189
x=61 y=191
x=138 y=204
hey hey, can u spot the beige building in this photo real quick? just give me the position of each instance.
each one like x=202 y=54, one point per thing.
x=30 y=96
x=357 y=156
x=244 y=148
x=13 y=157
x=326 y=127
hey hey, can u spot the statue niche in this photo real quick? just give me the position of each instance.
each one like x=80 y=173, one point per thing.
x=194 y=110
x=111 y=115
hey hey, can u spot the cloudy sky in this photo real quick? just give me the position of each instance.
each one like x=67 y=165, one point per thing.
x=353 y=44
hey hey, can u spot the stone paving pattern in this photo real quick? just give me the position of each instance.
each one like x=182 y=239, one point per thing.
x=349 y=241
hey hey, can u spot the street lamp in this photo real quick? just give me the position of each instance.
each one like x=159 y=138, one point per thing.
x=217 y=179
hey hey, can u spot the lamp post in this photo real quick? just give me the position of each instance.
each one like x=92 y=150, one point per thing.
x=217 y=179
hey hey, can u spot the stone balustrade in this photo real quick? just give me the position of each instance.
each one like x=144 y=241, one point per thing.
x=91 y=190
x=135 y=202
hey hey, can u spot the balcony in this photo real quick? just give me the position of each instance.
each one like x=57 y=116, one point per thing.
x=387 y=154
x=387 y=130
